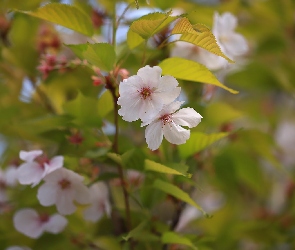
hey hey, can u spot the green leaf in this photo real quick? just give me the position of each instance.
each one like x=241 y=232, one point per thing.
x=197 y=142
x=152 y=23
x=115 y=157
x=101 y=55
x=191 y=71
x=174 y=238
x=219 y=113
x=177 y=193
x=84 y=111
x=136 y=231
x=105 y=104
x=64 y=15
x=133 y=159
x=199 y=35
x=157 y=167
x=133 y=39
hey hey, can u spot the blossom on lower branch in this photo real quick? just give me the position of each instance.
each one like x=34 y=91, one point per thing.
x=168 y=123
x=100 y=203
x=62 y=187
x=33 y=225
x=36 y=166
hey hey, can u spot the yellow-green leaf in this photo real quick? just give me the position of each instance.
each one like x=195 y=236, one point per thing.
x=115 y=157
x=133 y=39
x=177 y=193
x=199 y=35
x=174 y=238
x=197 y=142
x=136 y=231
x=157 y=167
x=191 y=71
x=150 y=24
x=64 y=15
x=105 y=104
x=101 y=55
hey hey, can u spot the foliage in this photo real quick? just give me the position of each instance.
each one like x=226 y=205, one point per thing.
x=230 y=186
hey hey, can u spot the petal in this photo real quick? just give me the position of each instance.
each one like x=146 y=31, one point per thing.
x=82 y=194
x=27 y=222
x=168 y=90
x=150 y=75
x=11 y=176
x=154 y=135
x=93 y=213
x=224 y=24
x=64 y=201
x=29 y=155
x=55 y=163
x=56 y=224
x=47 y=194
x=236 y=45
x=212 y=61
x=187 y=117
x=175 y=134
x=30 y=173
x=131 y=85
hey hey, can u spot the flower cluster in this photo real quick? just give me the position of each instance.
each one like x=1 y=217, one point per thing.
x=63 y=188
x=151 y=97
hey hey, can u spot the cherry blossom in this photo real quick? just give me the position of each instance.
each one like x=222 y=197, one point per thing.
x=168 y=123
x=143 y=95
x=33 y=225
x=36 y=166
x=99 y=202
x=62 y=187
x=231 y=43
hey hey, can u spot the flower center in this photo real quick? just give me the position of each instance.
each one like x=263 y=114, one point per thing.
x=42 y=159
x=43 y=218
x=166 y=119
x=64 y=184
x=145 y=92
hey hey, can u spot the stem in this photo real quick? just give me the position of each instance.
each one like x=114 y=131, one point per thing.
x=120 y=168
x=114 y=26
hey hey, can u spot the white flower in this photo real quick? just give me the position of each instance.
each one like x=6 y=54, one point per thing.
x=33 y=225
x=231 y=43
x=143 y=95
x=168 y=123
x=99 y=202
x=36 y=166
x=62 y=187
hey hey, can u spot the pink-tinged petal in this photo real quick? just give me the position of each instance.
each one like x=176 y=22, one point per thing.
x=30 y=173
x=183 y=50
x=11 y=176
x=187 y=117
x=154 y=135
x=47 y=194
x=175 y=134
x=54 y=164
x=82 y=194
x=167 y=97
x=224 y=24
x=57 y=175
x=130 y=110
x=27 y=222
x=150 y=75
x=29 y=155
x=211 y=61
x=64 y=202
x=93 y=213
x=236 y=45
x=56 y=224
x=131 y=85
